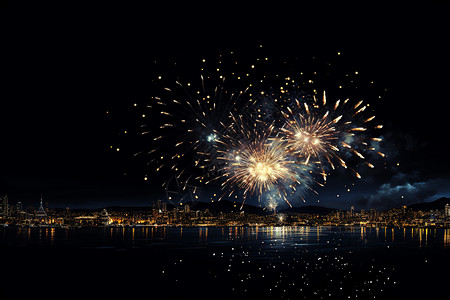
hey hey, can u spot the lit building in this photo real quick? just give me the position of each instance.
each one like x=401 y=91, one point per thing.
x=447 y=210
x=19 y=207
x=86 y=220
x=105 y=219
x=164 y=207
x=4 y=212
x=158 y=206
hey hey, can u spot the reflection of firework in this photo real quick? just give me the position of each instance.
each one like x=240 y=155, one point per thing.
x=325 y=133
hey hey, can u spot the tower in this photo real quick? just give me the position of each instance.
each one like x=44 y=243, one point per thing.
x=41 y=215
x=41 y=207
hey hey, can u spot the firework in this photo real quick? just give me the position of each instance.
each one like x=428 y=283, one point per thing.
x=258 y=167
x=255 y=163
x=249 y=135
x=327 y=132
x=191 y=123
x=194 y=114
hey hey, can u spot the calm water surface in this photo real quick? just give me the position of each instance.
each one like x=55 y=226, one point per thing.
x=224 y=262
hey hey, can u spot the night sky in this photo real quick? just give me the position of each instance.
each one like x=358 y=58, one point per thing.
x=65 y=64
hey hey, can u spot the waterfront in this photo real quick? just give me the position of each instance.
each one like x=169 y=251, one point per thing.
x=434 y=214
x=214 y=262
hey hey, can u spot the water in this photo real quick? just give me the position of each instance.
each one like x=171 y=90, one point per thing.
x=224 y=262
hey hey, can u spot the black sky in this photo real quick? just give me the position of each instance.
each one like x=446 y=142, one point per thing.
x=65 y=64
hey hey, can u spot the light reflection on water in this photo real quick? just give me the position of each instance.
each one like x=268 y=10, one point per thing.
x=202 y=235
x=243 y=262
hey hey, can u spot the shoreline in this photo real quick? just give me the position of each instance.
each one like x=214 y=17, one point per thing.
x=347 y=226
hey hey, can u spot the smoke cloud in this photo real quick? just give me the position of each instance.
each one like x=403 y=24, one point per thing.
x=403 y=189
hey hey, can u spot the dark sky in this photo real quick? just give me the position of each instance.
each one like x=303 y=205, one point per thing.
x=65 y=64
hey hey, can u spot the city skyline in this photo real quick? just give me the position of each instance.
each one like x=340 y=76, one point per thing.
x=225 y=213
x=151 y=202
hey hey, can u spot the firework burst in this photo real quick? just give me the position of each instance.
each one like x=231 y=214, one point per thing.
x=191 y=124
x=326 y=133
x=255 y=163
x=258 y=167
x=253 y=134
x=191 y=117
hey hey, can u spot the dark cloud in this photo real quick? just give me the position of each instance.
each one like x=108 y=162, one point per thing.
x=403 y=189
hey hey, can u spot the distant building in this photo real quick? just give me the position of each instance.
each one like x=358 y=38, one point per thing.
x=41 y=215
x=4 y=211
x=158 y=206
x=87 y=220
x=104 y=217
x=447 y=210
x=19 y=207
x=20 y=213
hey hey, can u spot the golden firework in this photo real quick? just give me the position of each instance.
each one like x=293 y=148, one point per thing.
x=324 y=132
